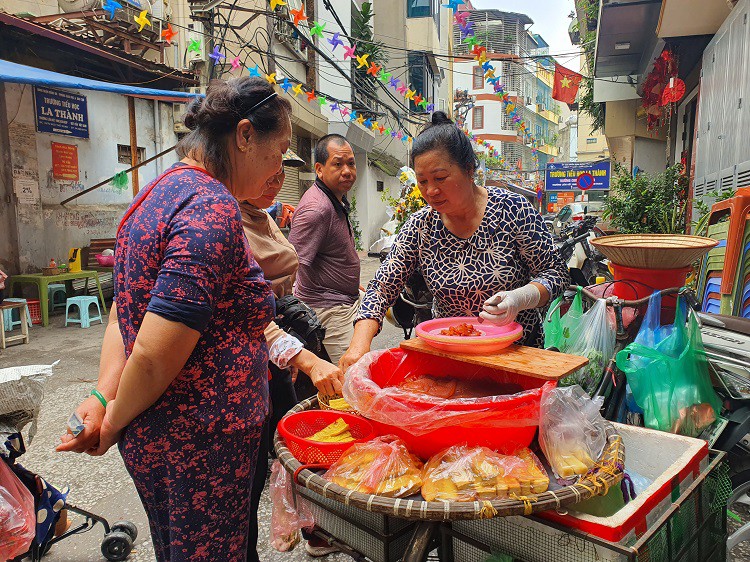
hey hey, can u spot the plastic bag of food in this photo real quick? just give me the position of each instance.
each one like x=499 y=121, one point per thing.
x=420 y=393
x=671 y=382
x=383 y=467
x=594 y=338
x=462 y=473
x=17 y=520
x=287 y=517
x=571 y=431
x=558 y=328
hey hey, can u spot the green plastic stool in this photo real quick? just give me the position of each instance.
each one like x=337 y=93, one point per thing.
x=53 y=291
x=83 y=304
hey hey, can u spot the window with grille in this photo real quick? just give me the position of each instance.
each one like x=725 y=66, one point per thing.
x=477 y=118
x=478 y=78
x=421 y=78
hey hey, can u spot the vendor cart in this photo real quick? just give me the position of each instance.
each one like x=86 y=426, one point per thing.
x=380 y=529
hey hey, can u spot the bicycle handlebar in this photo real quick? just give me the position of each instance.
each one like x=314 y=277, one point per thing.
x=616 y=300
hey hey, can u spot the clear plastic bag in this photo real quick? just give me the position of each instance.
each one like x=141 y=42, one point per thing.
x=462 y=473
x=671 y=381
x=383 y=467
x=17 y=517
x=512 y=407
x=593 y=337
x=286 y=518
x=571 y=431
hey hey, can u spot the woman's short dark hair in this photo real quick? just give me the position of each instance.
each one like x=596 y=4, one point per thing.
x=212 y=119
x=443 y=134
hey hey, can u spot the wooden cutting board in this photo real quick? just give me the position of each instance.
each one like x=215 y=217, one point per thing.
x=519 y=359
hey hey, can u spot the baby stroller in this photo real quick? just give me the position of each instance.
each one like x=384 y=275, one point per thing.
x=20 y=399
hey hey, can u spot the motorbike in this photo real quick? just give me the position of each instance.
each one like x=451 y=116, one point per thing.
x=585 y=263
x=727 y=343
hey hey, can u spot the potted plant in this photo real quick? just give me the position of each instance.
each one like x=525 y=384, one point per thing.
x=648 y=203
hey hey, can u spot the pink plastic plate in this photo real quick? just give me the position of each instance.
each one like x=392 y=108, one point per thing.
x=493 y=338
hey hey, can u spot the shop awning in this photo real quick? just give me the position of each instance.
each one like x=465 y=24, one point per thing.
x=22 y=74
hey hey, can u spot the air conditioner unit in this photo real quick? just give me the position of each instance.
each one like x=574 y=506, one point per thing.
x=195 y=31
x=359 y=137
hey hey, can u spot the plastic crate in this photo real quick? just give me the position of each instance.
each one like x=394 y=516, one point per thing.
x=379 y=537
x=35 y=309
x=671 y=462
x=693 y=529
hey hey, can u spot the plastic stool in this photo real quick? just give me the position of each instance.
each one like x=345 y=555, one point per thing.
x=8 y=322
x=53 y=291
x=83 y=304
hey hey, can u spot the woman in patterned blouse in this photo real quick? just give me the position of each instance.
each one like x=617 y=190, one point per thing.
x=482 y=251
x=183 y=372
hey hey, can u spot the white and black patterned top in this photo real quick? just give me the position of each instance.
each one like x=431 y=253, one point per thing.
x=511 y=248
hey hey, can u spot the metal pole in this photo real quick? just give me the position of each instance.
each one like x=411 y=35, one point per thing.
x=133 y=144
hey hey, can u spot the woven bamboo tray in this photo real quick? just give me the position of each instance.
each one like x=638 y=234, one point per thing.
x=654 y=251
x=597 y=482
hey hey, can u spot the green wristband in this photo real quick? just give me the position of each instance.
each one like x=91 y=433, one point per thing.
x=99 y=397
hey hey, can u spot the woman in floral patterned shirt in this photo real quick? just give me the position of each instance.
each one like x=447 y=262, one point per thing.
x=184 y=361
x=483 y=252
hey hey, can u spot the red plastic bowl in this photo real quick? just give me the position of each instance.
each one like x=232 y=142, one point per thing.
x=295 y=428
x=391 y=368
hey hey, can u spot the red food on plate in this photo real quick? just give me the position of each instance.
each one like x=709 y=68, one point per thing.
x=463 y=330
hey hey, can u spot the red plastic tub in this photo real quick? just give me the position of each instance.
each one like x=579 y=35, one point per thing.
x=642 y=282
x=496 y=424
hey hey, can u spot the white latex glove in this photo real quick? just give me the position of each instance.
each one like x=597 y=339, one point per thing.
x=503 y=307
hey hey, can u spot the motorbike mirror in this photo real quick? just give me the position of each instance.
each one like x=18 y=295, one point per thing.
x=564 y=214
x=585 y=209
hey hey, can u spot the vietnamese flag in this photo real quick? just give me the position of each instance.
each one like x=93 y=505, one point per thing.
x=566 y=84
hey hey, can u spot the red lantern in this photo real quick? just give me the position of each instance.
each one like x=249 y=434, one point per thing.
x=674 y=91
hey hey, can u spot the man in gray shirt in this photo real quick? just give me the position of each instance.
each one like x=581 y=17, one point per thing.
x=329 y=268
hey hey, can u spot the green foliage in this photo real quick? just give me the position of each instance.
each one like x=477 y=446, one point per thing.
x=587 y=104
x=648 y=203
x=354 y=221
x=362 y=34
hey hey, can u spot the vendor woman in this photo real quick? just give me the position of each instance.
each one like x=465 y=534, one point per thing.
x=483 y=252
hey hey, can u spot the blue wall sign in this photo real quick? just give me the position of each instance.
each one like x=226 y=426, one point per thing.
x=61 y=113
x=563 y=176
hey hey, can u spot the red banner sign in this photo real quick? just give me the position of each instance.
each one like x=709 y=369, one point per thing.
x=64 y=161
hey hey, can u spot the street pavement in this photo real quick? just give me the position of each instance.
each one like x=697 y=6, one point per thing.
x=101 y=484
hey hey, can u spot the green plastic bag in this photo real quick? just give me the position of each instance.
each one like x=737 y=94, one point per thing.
x=558 y=330
x=671 y=382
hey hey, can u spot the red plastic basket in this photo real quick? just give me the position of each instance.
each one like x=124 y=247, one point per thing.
x=35 y=310
x=295 y=428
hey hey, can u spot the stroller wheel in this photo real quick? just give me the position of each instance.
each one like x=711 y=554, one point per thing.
x=126 y=527
x=116 y=546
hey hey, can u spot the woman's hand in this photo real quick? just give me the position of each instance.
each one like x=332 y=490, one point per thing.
x=91 y=413
x=327 y=378
x=364 y=332
x=108 y=434
x=352 y=355
x=502 y=308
